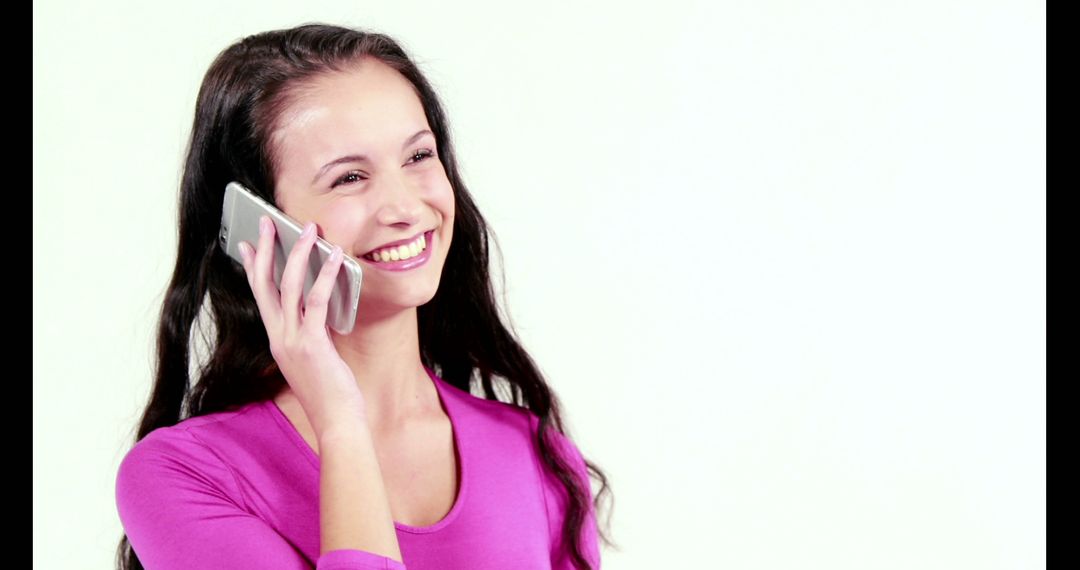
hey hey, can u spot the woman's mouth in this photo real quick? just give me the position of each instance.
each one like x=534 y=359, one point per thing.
x=402 y=257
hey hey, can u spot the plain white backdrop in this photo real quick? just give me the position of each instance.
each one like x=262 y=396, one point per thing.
x=784 y=262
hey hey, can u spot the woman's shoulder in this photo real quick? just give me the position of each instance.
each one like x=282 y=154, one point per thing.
x=503 y=421
x=188 y=478
x=489 y=415
x=202 y=433
x=199 y=447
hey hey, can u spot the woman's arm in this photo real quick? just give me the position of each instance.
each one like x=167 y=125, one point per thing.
x=556 y=501
x=182 y=509
x=590 y=540
x=354 y=510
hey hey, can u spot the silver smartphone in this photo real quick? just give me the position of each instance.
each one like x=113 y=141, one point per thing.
x=240 y=222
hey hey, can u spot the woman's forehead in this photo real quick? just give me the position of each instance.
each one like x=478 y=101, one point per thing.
x=367 y=91
x=358 y=111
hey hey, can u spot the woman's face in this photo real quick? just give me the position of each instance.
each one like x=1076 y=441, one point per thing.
x=357 y=157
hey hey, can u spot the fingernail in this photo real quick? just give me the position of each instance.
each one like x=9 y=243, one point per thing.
x=244 y=250
x=310 y=227
x=336 y=254
x=264 y=224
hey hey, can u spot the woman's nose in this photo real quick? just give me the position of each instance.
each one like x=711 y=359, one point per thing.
x=399 y=201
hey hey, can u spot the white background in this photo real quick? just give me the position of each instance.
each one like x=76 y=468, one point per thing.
x=784 y=262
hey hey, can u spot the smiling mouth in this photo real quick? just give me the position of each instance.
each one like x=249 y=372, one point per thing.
x=415 y=248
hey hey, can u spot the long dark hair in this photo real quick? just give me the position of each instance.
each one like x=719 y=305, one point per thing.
x=461 y=333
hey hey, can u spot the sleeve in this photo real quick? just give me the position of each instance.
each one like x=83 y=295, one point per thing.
x=557 y=500
x=180 y=507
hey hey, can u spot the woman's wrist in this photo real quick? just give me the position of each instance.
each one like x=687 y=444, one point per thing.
x=347 y=430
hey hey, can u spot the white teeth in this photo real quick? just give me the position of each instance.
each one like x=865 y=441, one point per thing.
x=400 y=252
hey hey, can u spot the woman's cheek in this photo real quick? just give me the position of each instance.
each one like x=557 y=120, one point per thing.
x=438 y=187
x=344 y=217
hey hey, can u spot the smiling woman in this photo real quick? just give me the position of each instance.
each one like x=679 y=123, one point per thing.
x=345 y=154
x=296 y=447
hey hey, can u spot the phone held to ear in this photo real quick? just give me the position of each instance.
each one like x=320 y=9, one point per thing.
x=240 y=222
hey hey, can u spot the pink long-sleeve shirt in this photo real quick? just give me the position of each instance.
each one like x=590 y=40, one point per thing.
x=239 y=489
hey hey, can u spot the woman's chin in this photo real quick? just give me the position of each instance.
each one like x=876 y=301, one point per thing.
x=397 y=301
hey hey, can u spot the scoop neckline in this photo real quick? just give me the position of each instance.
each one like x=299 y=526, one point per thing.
x=444 y=399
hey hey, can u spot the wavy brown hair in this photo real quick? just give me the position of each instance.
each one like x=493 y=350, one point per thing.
x=462 y=336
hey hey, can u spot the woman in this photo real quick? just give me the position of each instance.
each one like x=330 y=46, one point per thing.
x=297 y=446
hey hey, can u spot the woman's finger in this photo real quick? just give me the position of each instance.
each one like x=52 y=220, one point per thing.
x=262 y=282
x=315 y=307
x=292 y=280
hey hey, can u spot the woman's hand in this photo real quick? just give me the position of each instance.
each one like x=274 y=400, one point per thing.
x=299 y=338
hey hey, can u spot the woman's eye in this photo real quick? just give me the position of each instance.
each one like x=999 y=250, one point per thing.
x=348 y=178
x=422 y=154
x=354 y=176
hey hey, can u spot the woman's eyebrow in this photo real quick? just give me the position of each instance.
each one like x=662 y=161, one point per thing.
x=364 y=158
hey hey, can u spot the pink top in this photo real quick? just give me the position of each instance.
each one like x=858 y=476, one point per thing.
x=239 y=489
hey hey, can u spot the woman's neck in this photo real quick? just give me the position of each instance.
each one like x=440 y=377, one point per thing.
x=384 y=356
